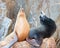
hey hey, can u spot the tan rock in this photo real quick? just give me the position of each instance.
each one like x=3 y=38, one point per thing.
x=47 y=43
x=23 y=44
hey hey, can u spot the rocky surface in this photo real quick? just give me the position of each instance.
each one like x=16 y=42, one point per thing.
x=47 y=43
x=32 y=10
x=5 y=22
x=4 y=29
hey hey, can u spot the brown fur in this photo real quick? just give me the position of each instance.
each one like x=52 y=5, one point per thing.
x=22 y=26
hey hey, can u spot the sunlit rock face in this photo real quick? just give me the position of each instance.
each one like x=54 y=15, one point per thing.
x=2 y=16
x=33 y=8
x=3 y=10
x=5 y=22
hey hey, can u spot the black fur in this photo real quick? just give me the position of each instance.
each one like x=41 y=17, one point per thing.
x=49 y=27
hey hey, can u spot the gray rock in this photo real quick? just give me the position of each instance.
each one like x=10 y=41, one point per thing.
x=4 y=29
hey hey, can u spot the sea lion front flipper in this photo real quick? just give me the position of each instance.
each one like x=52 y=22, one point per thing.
x=32 y=42
x=39 y=41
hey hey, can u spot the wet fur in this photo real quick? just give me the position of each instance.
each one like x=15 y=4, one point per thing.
x=38 y=34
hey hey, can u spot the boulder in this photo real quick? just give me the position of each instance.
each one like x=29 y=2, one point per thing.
x=5 y=28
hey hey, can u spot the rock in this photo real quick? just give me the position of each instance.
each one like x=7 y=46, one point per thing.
x=58 y=44
x=8 y=40
x=5 y=22
x=47 y=42
x=3 y=10
x=4 y=30
x=23 y=44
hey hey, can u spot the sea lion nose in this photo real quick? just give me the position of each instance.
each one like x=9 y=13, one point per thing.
x=42 y=15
